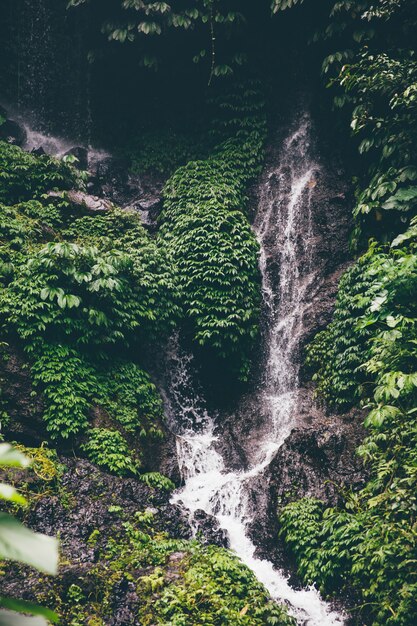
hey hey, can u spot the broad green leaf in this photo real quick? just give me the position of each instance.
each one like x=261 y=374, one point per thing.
x=7 y=492
x=18 y=543
x=8 y=618
x=28 y=607
x=12 y=458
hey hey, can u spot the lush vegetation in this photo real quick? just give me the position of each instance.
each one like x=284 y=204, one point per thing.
x=76 y=291
x=367 y=355
x=175 y=581
x=86 y=297
x=208 y=237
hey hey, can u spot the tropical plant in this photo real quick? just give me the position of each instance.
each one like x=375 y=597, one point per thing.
x=108 y=449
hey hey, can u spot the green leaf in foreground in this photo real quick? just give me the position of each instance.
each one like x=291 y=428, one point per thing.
x=12 y=458
x=8 y=618
x=21 y=544
x=30 y=608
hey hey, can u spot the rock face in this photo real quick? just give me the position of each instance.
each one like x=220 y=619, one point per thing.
x=111 y=179
x=25 y=409
x=317 y=460
x=94 y=204
x=87 y=510
x=81 y=154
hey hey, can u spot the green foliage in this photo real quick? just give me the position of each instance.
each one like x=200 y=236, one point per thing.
x=18 y=543
x=216 y=589
x=368 y=354
x=164 y=150
x=68 y=384
x=142 y=22
x=208 y=237
x=76 y=290
x=205 y=585
x=126 y=392
x=337 y=353
x=84 y=295
x=175 y=581
x=108 y=449
x=157 y=481
x=24 y=176
x=372 y=69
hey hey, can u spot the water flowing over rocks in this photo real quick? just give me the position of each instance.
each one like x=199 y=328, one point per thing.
x=86 y=508
x=237 y=465
x=229 y=459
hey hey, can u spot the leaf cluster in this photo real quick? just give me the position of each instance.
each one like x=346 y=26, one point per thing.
x=207 y=234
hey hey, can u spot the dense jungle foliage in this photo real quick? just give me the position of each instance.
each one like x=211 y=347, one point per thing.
x=85 y=298
x=79 y=290
x=367 y=355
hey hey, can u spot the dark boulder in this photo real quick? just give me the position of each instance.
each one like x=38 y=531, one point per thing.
x=208 y=529
x=13 y=133
x=38 y=151
x=81 y=154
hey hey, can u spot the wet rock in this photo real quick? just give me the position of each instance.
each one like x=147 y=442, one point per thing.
x=81 y=154
x=109 y=177
x=85 y=201
x=38 y=151
x=150 y=207
x=208 y=529
x=319 y=461
x=87 y=512
x=13 y=133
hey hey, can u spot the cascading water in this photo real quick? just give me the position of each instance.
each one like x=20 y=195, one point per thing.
x=284 y=227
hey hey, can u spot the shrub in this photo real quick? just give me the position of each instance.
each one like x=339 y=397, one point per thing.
x=24 y=176
x=208 y=237
x=108 y=449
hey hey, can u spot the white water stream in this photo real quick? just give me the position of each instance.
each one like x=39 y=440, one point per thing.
x=284 y=227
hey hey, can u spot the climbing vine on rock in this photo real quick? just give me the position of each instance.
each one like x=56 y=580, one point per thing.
x=207 y=234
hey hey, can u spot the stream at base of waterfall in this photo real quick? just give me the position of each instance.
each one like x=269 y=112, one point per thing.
x=284 y=227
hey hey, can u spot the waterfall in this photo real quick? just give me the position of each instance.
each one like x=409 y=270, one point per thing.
x=45 y=78
x=284 y=226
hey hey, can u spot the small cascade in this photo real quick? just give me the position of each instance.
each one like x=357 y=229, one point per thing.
x=284 y=227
